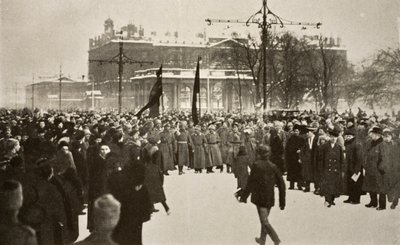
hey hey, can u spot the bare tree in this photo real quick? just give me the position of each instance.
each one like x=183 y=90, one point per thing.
x=327 y=67
x=380 y=78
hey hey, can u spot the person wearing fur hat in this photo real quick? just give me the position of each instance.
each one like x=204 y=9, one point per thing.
x=223 y=133
x=235 y=141
x=199 y=144
x=183 y=141
x=354 y=160
x=332 y=159
x=373 y=169
x=214 y=151
x=106 y=211
x=261 y=185
x=167 y=149
x=11 y=230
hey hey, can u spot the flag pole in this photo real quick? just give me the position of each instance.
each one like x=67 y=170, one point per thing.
x=162 y=103
x=198 y=60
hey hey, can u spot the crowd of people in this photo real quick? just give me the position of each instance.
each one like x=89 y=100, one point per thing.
x=115 y=165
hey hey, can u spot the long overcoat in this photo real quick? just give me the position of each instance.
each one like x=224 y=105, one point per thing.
x=154 y=178
x=332 y=162
x=213 y=149
x=390 y=167
x=199 y=155
x=373 y=157
x=136 y=208
x=240 y=170
x=167 y=151
x=308 y=157
x=183 y=141
x=223 y=133
x=43 y=209
x=294 y=144
x=235 y=141
x=354 y=157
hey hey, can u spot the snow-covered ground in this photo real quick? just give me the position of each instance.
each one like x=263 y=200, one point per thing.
x=204 y=211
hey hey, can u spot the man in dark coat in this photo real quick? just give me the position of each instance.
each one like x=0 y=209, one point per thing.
x=372 y=166
x=43 y=207
x=277 y=150
x=261 y=184
x=388 y=180
x=136 y=206
x=354 y=159
x=294 y=145
x=308 y=159
x=97 y=178
x=331 y=162
x=11 y=231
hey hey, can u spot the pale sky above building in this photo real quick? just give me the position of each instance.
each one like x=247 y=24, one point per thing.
x=39 y=35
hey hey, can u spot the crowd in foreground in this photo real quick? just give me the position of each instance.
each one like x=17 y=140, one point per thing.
x=115 y=165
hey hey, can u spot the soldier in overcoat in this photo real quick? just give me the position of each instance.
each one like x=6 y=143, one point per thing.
x=223 y=133
x=166 y=149
x=234 y=142
x=183 y=141
x=199 y=142
x=213 y=142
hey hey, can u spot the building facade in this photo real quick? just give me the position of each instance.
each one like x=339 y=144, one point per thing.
x=46 y=94
x=220 y=78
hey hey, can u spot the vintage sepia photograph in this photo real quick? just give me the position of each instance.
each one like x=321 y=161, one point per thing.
x=204 y=122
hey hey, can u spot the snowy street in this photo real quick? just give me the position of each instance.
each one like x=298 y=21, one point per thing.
x=204 y=211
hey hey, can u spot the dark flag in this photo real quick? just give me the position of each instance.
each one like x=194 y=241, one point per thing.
x=154 y=97
x=196 y=94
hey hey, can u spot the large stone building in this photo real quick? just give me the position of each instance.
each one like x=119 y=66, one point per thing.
x=219 y=89
x=219 y=79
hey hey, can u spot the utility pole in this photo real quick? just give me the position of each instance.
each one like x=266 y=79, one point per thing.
x=264 y=25
x=16 y=95
x=33 y=92
x=59 y=94
x=120 y=59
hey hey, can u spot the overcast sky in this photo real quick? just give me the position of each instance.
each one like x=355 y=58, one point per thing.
x=39 y=35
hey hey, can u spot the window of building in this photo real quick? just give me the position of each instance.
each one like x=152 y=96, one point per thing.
x=185 y=97
x=203 y=97
x=216 y=96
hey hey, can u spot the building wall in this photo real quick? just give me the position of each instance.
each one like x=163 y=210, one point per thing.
x=46 y=95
